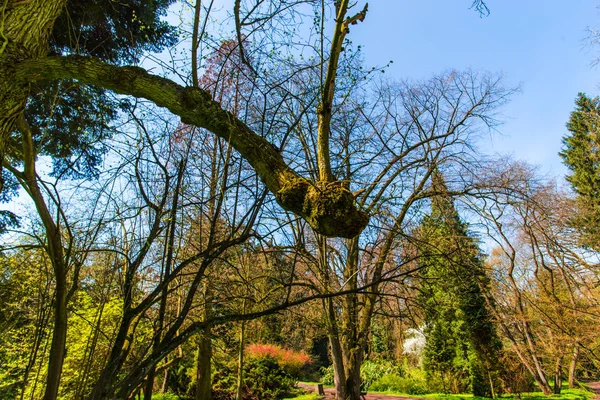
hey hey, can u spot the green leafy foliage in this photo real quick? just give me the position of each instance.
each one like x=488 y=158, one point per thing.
x=400 y=384
x=264 y=379
x=581 y=154
x=24 y=312
x=370 y=372
x=165 y=396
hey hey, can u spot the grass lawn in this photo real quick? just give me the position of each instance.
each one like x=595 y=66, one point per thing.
x=567 y=394
x=312 y=396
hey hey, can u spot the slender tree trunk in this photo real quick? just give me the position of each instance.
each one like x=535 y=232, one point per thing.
x=240 y=375
x=351 y=343
x=59 y=340
x=163 y=387
x=39 y=335
x=337 y=355
x=534 y=371
x=558 y=375
x=339 y=373
x=149 y=385
x=29 y=180
x=573 y=366
x=203 y=371
x=204 y=367
x=103 y=386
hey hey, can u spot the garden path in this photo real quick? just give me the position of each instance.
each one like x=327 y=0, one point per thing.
x=330 y=394
x=595 y=387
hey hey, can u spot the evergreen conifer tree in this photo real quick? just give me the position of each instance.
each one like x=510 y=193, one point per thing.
x=462 y=344
x=581 y=152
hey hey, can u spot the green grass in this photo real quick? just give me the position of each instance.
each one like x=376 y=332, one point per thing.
x=567 y=394
x=316 y=383
x=312 y=396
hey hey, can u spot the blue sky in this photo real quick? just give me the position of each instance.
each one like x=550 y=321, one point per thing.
x=538 y=44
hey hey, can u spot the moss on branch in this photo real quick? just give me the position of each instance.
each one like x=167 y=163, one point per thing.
x=328 y=207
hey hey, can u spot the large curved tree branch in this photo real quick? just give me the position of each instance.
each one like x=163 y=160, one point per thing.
x=327 y=206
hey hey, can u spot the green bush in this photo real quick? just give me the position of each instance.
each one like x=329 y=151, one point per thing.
x=264 y=379
x=370 y=372
x=399 y=384
x=311 y=396
x=165 y=396
x=327 y=375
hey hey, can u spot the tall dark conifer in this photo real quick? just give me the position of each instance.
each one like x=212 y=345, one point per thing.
x=462 y=343
x=581 y=154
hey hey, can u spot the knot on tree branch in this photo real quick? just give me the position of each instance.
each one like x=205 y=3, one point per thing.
x=328 y=207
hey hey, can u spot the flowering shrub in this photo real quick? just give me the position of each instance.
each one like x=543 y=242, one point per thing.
x=289 y=360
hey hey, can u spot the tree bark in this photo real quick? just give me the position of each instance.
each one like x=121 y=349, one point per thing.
x=59 y=340
x=240 y=374
x=573 y=366
x=203 y=372
x=29 y=182
x=558 y=375
x=203 y=369
x=328 y=207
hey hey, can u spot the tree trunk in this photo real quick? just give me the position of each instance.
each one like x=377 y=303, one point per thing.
x=339 y=373
x=149 y=385
x=558 y=375
x=204 y=367
x=29 y=181
x=351 y=343
x=103 y=386
x=573 y=366
x=353 y=380
x=163 y=387
x=337 y=355
x=203 y=371
x=59 y=340
x=240 y=377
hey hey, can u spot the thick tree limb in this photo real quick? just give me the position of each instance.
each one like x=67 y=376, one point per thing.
x=327 y=206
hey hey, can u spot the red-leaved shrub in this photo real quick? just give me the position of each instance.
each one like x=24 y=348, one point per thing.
x=289 y=360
